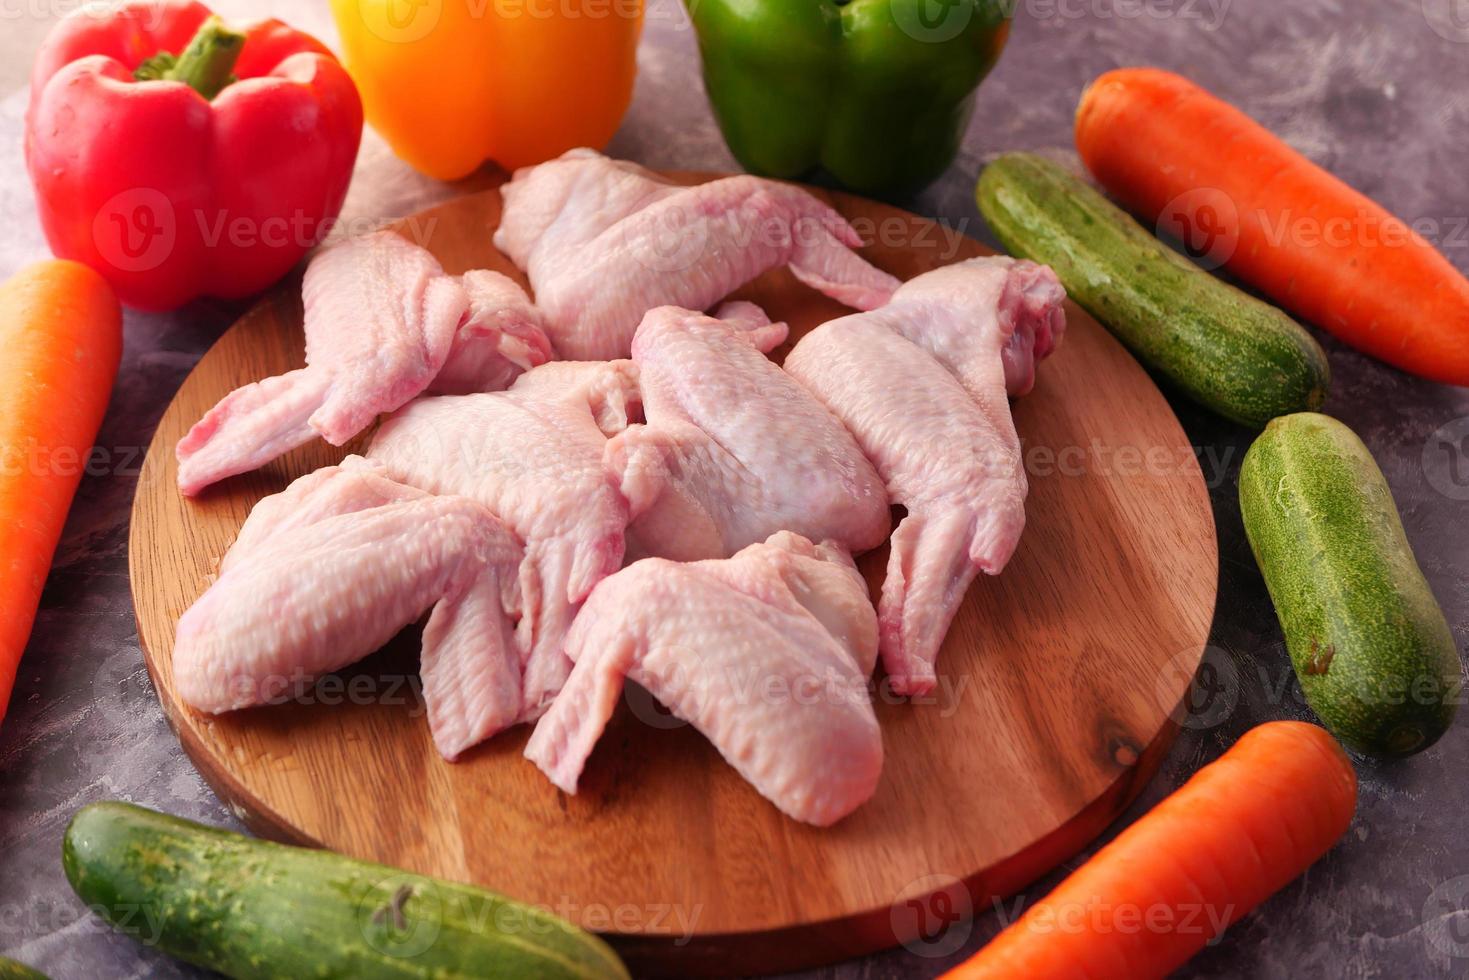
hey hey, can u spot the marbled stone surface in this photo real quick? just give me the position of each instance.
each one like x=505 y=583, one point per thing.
x=1374 y=89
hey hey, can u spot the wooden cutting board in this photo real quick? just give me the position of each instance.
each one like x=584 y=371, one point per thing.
x=1064 y=677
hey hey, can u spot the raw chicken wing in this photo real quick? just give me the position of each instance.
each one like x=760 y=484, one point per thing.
x=734 y=449
x=533 y=456
x=604 y=241
x=711 y=641
x=331 y=570
x=922 y=386
x=383 y=324
x=502 y=337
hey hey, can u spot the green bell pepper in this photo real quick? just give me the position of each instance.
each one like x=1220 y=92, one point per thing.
x=877 y=92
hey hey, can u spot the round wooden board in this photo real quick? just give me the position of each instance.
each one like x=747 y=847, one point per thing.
x=1060 y=680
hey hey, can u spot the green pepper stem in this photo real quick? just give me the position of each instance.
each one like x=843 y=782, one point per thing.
x=206 y=64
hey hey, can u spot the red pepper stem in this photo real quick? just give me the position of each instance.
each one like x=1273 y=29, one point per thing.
x=207 y=63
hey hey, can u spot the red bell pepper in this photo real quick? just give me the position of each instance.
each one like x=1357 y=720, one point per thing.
x=180 y=158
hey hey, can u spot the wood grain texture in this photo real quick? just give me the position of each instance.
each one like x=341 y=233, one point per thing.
x=1058 y=684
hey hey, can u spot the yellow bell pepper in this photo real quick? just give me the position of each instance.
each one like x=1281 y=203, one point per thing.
x=451 y=84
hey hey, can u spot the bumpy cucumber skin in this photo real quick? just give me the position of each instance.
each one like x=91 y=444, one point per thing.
x=1230 y=352
x=252 y=909
x=11 y=970
x=1374 y=655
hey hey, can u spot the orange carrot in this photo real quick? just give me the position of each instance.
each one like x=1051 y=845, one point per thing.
x=1206 y=172
x=1234 y=834
x=60 y=343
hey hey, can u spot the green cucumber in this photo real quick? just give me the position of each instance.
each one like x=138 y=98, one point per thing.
x=1370 y=645
x=249 y=908
x=11 y=970
x=1230 y=352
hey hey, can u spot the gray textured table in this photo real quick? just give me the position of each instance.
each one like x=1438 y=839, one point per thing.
x=1373 y=90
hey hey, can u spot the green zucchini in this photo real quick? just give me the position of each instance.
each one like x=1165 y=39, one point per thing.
x=249 y=908
x=1374 y=655
x=1228 y=351
x=11 y=970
